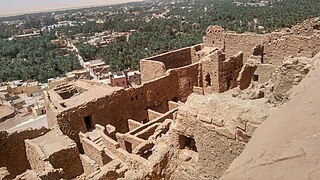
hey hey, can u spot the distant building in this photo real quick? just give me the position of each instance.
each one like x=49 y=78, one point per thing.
x=59 y=43
x=125 y=78
x=52 y=82
x=18 y=103
x=118 y=79
x=99 y=21
x=61 y=24
x=97 y=68
x=27 y=33
x=19 y=87
x=101 y=40
x=38 y=110
x=78 y=74
x=133 y=31
x=134 y=77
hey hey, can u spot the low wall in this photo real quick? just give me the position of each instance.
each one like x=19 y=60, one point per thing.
x=94 y=151
x=156 y=66
x=13 y=150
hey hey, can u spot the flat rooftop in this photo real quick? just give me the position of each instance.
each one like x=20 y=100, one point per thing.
x=52 y=142
x=5 y=111
x=74 y=94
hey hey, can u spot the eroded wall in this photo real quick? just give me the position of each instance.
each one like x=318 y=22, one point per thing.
x=219 y=74
x=156 y=66
x=119 y=106
x=13 y=150
x=151 y=70
x=277 y=45
x=229 y=71
x=174 y=59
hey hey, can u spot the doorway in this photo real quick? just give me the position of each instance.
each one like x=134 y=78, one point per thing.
x=87 y=121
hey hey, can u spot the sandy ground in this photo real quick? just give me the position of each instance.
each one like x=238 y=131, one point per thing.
x=286 y=145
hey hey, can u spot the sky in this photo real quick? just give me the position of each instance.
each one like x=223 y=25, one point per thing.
x=9 y=7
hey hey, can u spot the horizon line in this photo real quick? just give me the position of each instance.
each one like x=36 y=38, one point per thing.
x=66 y=8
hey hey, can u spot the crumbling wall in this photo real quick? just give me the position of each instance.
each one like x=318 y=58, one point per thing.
x=215 y=37
x=246 y=74
x=291 y=45
x=51 y=116
x=210 y=71
x=94 y=151
x=306 y=28
x=229 y=71
x=116 y=108
x=243 y=42
x=156 y=66
x=277 y=45
x=13 y=151
x=54 y=151
x=151 y=70
x=263 y=72
x=288 y=75
x=188 y=77
x=209 y=132
x=174 y=59
x=203 y=155
x=68 y=160
x=286 y=144
x=36 y=157
x=218 y=74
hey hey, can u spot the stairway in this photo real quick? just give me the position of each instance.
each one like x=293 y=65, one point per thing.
x=99 y=142
x=96 y=138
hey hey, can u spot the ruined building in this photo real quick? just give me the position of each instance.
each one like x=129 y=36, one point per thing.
x=181 y=123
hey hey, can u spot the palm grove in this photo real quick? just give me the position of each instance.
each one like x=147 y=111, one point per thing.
x=184 y=25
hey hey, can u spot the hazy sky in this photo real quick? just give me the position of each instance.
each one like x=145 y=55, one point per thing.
x=22 y=6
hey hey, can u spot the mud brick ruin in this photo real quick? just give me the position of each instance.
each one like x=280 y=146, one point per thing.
x=181 y=123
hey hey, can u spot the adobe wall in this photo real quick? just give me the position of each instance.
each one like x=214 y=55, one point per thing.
x=210 y=74
x=219 y=74
x=244 y=42
x=174 y=59
x=215 y=37
x=25 y=89
x=215 y=149
x=277 y=45
x=116 y=108
x=151 y=70
x=188 y=77
x=292 y=45
x=51 y=114
x=36 y=157
x=94 y=151
x=229 y=71
x=13 y=150
x=49 y=152
x=207 y=137
x=156 y=66
x=71 y=166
